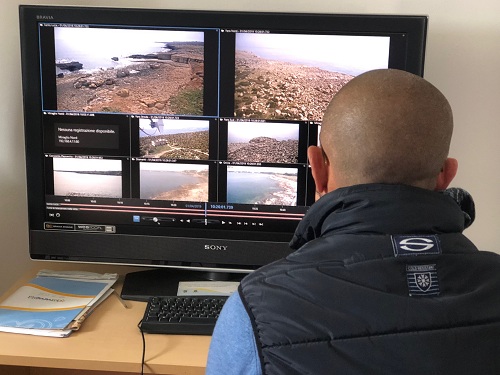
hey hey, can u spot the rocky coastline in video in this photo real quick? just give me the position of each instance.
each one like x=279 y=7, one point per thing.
x=154 y=83
x=272 y=89
x=264 y=150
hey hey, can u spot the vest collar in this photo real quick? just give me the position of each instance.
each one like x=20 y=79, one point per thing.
x=385 y=209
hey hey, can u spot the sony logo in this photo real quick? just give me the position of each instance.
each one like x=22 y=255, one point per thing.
x=216 y=247
x=42 y=17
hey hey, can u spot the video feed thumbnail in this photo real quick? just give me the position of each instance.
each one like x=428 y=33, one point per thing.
x=129 y=70
x=174 y=139
x=295 y=76
x=87 y=177
x=174 y=181
x=262 y=185
x=263 y=142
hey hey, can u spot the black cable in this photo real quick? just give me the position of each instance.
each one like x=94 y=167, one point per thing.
x=143 y=348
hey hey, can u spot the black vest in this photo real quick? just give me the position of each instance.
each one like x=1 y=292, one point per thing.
x=358 y=301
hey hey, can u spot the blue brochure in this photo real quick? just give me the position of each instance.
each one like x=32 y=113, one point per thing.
x=51 y=302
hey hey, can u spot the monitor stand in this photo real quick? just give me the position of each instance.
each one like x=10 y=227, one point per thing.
x=141 y=285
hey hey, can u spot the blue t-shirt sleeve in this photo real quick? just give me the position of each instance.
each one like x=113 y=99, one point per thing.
x=233 y=349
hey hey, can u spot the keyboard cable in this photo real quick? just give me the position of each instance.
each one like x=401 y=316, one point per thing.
x=143 y=348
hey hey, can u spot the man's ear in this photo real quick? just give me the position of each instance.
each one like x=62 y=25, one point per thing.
x=319 y=169
x=447 y=174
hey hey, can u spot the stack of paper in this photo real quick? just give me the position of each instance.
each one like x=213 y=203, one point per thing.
x=54 y=303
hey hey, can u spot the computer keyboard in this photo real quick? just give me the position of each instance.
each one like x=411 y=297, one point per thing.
x=182 y=315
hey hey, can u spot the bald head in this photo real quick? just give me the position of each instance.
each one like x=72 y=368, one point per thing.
x=387 y=126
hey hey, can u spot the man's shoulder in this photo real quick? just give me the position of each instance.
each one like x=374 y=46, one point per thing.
x=332 y=251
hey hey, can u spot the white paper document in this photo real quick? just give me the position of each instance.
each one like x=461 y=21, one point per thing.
x=207 y=288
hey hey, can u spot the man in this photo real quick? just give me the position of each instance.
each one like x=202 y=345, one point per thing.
x=383 y=281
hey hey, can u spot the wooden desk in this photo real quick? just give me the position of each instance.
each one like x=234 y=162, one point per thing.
x=109 y=341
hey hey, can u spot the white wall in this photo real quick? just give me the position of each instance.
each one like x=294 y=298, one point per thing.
x=463 y=60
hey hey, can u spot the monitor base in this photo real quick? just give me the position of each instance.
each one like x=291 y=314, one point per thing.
x=141 y=285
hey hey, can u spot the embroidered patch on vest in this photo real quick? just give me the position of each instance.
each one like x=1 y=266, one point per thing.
x=411 y=245
x=422 y=280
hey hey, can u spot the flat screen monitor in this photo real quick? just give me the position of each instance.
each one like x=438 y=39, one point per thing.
x=177 y=139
